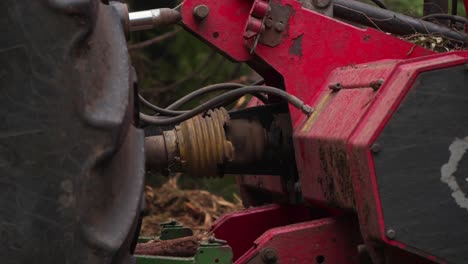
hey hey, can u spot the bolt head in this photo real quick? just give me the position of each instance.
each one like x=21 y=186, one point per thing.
x=335 y=86
x=269 y=255
x=377 y=84
x=269 y=23
x=279 y=26
x=321 y=4
x=200 y=12
x=376 y=148
x=391 y=234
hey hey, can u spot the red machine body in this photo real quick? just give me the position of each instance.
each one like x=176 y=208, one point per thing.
x=357 y=80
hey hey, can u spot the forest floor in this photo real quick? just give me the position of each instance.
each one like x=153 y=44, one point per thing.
x=196 y=209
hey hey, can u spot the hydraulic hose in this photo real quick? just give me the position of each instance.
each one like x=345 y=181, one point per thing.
x=390 y=21
x=306 y=109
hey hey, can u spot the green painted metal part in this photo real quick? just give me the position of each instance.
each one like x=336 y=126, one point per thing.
x=169 y=230
x=211 y=250
x=173 y=230
x=208 y=252
x=163 y=260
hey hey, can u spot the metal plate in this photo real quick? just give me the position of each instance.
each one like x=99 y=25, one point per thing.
x=326 y=240
x=276 y=24
x=421 y=168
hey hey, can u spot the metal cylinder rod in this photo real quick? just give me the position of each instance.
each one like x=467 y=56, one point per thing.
x=148 y=19
x=391 y=22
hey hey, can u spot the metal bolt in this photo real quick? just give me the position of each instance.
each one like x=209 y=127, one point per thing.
x=375 y=148
x=269 y=255
x=322 y=4
x=377 y=84
x=214 y=240
x=200 y=12
x=335 y=86
x=269 y=23
x=279 y=26
x=391 y=234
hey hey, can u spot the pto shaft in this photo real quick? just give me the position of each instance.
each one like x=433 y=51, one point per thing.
x=203 y=145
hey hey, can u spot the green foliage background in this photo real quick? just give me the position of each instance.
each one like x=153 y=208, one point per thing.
x=171 y=60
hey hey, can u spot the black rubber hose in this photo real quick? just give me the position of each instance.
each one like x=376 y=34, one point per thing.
x=209 y=89
x=379 y=4
x=306 y=109
x=391 y=22
x=212 y=88
x=157 y=109
x=453 y=18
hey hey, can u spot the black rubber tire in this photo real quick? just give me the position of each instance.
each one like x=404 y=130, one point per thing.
x=71 y=160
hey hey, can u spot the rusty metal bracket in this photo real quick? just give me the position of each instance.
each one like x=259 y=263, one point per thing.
x=275 y=24
x=266 y=24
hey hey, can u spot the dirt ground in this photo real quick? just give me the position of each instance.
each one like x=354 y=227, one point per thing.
x=197 y=209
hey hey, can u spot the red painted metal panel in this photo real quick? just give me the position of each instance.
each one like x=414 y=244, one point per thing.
x=223 y=27
x=313 y=45
x=327 y=240
x=321 y=150
x=242 y=228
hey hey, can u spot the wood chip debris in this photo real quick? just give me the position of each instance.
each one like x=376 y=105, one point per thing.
x=434 y=42
x=196 y=209
x=179 y=247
